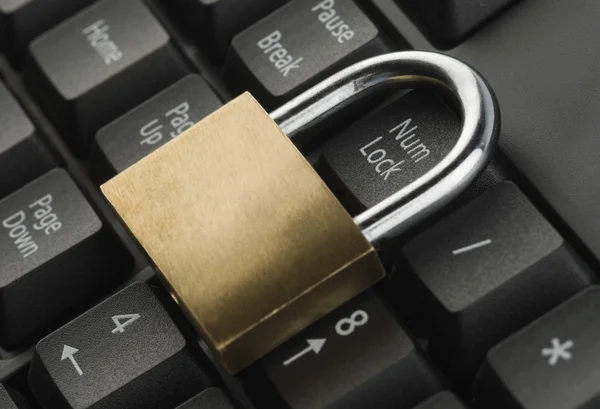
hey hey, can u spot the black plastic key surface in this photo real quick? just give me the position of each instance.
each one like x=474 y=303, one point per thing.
x=298 y=45
x=9 y=399
x=23 y=155
x=56 y=253
x=482 y=273
x=98 y=65
x=443 y=400
x=551 y=364
x=211 y=398
x=23 y=20
x=448 y=22
x=356 y=357
x=389 y=149
x=124 y=353
x=146 y=128
x=214 y=23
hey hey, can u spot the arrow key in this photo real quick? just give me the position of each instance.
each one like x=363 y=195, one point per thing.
x=356 y=357
x=124 y=353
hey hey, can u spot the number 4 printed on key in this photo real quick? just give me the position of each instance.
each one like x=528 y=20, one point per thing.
x=122 y=321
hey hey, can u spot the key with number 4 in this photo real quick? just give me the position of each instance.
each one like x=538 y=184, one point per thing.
x=126 y=352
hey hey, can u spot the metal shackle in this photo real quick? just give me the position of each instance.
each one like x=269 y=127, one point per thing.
x=408 y=69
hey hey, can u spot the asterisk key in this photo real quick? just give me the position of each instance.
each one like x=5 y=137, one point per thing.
x=558 y=351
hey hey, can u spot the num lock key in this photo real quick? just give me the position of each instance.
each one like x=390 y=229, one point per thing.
x=249 y=239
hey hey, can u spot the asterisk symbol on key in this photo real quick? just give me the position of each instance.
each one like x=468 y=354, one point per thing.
x=558 y=351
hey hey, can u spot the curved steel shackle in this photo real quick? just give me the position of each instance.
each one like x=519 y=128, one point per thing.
x=408 y=69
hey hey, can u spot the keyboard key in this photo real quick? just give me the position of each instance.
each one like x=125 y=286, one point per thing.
x=389 y=149
x=212 y=398
x=56 y=254
x=23 y=156
x=214 y=23
x=356 y=357
x=443 y=400
x=298 y=45
x=98 y=65
x=124 y=353
x=551 y=364
x=481 y=274
x=9 y=399
x=143 y=130
x=23 y=20
x=448 y=22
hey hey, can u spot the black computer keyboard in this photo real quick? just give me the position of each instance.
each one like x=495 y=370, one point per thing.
x=490 y=304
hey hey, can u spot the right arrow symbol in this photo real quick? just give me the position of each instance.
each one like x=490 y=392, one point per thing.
x=314 y=345
x=68 y=353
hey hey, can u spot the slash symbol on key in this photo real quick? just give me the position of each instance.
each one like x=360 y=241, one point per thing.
x=471 y=247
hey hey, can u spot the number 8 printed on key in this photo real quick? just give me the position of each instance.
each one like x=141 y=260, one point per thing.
x=347 y=326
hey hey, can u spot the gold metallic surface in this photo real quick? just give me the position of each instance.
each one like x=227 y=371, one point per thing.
x=244 y=232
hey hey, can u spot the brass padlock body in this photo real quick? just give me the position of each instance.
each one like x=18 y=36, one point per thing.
x=243 y=231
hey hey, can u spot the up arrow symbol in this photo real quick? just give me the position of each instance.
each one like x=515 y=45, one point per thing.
x=68 y=353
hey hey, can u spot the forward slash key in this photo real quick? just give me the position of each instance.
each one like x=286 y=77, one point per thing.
x=471 y=247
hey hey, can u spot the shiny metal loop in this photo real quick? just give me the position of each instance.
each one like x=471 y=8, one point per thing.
x=408 y=69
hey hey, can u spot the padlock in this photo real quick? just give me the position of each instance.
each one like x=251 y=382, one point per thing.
x=245 y=234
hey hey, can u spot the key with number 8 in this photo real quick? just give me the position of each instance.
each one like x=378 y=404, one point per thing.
x=354 y=357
